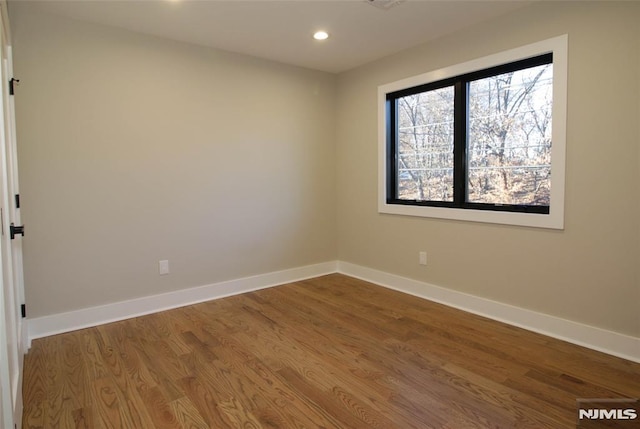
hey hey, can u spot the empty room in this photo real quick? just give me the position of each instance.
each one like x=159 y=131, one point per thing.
x=320 y=214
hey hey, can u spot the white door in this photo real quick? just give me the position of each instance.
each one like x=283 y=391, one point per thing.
x=12 y=334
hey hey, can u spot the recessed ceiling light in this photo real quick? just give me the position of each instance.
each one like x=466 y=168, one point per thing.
x=320 y=35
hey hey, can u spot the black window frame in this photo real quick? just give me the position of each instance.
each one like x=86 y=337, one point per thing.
x=461 y=85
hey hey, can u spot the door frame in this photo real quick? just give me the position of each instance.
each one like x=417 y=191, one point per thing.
x=13 y=334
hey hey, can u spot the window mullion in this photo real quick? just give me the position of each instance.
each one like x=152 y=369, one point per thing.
x=461 y=121
x=392 y=148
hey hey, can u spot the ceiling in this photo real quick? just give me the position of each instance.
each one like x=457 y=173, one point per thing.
x=282 y=30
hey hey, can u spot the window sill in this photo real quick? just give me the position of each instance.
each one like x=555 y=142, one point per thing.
x=553 y=220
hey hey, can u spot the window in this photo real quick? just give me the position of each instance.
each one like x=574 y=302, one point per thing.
x=481 y=141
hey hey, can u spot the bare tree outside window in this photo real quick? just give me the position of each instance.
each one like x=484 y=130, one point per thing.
x=509 y=138
x=425 y=146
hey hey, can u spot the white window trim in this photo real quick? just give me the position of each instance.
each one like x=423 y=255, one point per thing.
x=555 y=219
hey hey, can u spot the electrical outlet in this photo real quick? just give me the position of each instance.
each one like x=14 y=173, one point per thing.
x=163 y=267
x=422 y=258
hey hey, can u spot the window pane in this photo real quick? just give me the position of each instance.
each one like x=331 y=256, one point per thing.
x=509 y=138
x=425 y=146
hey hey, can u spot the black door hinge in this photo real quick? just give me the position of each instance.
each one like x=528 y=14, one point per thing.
x=12 y=82
x=15 y=230
x=23 y=310
x=17 y=201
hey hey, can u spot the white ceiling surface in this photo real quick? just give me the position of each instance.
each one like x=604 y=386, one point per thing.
x=282 y=30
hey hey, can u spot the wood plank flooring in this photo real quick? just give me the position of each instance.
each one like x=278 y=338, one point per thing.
x=331 y=352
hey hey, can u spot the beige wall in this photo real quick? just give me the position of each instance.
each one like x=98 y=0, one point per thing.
x=134 y=149
x=587 y=273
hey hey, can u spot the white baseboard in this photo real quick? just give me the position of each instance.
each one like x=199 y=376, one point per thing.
x=609 y=342
x=87 y=317
x=613 y=343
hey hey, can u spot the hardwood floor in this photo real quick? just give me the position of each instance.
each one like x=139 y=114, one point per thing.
x=331 y=352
